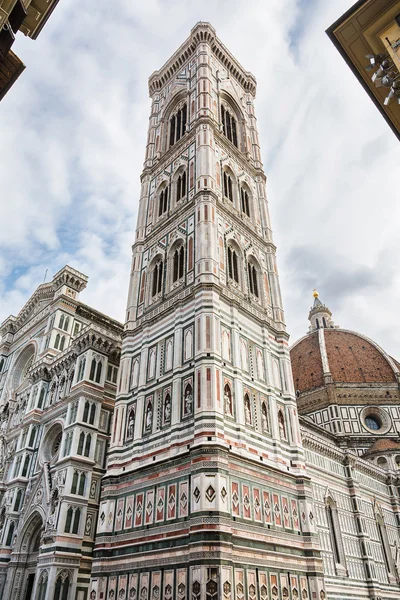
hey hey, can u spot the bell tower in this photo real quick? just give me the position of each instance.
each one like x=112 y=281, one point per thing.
x=206 y=495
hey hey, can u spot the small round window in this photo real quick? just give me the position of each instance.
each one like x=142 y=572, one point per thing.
x=372 y=422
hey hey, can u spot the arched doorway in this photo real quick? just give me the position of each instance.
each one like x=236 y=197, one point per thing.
x=26 y=552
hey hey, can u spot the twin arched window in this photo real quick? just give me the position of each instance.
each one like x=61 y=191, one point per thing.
x=177 y=125
x=60 y=342
x=157 y=278
x=64 y=322
x=95 y=370
x=178 y=264
x=78 y=483
x=72 y=520
x=89 y=412
x=84 y=444
x=229 y=125
x=163 y=201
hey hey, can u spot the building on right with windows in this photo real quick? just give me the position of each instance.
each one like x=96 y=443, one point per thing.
x=348 y=400
x=368 y=38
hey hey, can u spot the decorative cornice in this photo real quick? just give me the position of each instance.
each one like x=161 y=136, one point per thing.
x=202 y=32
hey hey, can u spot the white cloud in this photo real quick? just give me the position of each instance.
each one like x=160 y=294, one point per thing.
x=73 y=139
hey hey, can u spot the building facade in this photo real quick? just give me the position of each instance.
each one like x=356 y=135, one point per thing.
x=368 y=38
x=28 y=16
x=58 y=372
x=206 y=495
x=348 y=398
x=173 y=458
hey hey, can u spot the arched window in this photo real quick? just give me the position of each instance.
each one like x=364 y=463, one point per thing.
x=68 y=520
x=157 y=278
x=385 y=544
x=98 y=371
x=32 y=437
x=86 y=412
x=317 y=323
x=178 y=264
x=335 y=533
x=228 y=187
x=41 y=397
x=77 y=518
x=82 y=481
x=92 y=414
x=61 y=322
x=66 y=324
x=74 y=485
x=42 y=587
x=57 y=342
x=87 y=444
x=26 y=466
x=62 y=587
x=253 y=279
x=244 y=197
x=233 y=271
x=18 y=499
x=1 y=364
x=81 y=443
x=92 y=369
x=229 y=125
x=62 y=343
x=324 y=321
x=10 y=534
x=81 y=369
x=181 y=186
x=163 y=201
x=177 y=125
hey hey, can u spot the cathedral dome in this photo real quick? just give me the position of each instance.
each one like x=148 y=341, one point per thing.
x=331 y=354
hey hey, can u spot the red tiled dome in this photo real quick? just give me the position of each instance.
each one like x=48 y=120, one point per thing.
x=351 y=359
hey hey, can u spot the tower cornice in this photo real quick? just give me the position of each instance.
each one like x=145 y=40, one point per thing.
x=202 y=32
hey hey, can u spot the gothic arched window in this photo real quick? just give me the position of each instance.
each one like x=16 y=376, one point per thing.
x=163 y=201
x=178 y=264
x=244 y=197
x=229 y=128
x=157 y=278
x=82 y=481
x=383 y=536
x=233 y=271
x=62 y=343
x=10 y=533
x=181 y=186
x=18 y=499
x=92 y=414
x=335 y=533
x=177 y=125
x=87 y=444
x=74 y=485
x=62 y=587
x=81 y=443
x=42 y=587
x=253 y=279
x=86 y=412
x=227 y=186
x=68 y=520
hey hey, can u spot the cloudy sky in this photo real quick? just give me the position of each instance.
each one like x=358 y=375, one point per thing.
x=72 y=139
